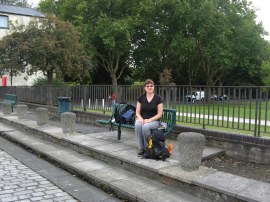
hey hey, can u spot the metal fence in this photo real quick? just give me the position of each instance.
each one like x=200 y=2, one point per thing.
x=239 y=108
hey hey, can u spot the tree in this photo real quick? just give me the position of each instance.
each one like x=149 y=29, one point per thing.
x=106 y=27
x=214 y=37
x=249 y=49
x=165 y=77
x=266 y=73
x=49 y=7
x=204 y=42
x=50 y=46
x=15 y=2
x=11 y=58
x=54 y=47
x=157 y=23
x=185 y=53
x=265 y=66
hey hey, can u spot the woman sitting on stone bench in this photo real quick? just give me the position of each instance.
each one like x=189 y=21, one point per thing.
x=149 y=110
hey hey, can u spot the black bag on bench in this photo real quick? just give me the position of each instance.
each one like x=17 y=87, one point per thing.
x=124 y=114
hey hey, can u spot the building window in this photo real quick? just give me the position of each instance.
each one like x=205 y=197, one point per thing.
x=3 y=21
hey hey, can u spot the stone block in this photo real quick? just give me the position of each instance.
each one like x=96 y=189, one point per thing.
x=42 y=116
x=21 y=111
x=7 y=108
x=191 y=147
x=68 y=122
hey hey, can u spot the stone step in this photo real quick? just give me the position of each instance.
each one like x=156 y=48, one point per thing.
x=122 y=182
x=205 y=183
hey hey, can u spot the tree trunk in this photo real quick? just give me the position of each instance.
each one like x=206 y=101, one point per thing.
x=111 y=65
x=115 y=90
x=49 y=87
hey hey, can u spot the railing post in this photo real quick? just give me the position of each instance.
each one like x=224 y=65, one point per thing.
x=256 y=114
x=84 y=97
x=259 y=113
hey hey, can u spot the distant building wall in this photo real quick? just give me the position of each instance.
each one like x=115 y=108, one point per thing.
x=23 y=17
x=21 y=20
x=23 y=79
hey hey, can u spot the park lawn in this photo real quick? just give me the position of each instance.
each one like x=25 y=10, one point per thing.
x=249 y=110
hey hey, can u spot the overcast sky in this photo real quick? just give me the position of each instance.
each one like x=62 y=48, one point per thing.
x=33 y=2
x=262 y=7
x=263 y=13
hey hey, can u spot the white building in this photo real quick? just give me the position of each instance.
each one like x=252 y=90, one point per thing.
x=21 y=15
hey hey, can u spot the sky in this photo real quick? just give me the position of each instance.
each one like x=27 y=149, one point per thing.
x=263 y=13
x=33 y=2
x=262 y=10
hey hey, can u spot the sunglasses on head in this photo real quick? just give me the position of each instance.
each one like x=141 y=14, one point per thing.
x=149 y=86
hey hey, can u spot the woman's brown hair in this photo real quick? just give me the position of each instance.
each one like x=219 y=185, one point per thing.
x=148 y=81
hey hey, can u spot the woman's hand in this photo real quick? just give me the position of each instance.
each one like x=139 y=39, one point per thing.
x=147 y=120
x=141 y=120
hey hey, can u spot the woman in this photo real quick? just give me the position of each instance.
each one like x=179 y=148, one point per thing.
x=148 y=112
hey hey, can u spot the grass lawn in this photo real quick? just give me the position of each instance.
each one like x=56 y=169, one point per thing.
x=243 y=110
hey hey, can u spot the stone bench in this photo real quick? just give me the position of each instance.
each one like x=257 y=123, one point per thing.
x=42 y=116
x=68 y=120
x=191 y=147
x=21 y=111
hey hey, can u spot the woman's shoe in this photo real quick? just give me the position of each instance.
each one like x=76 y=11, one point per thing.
x=141 y=152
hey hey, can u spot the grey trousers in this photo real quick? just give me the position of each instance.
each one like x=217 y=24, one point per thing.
x=143 y=132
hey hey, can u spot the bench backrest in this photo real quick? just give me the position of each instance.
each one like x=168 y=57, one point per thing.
x=10 y=97
x=169 y=117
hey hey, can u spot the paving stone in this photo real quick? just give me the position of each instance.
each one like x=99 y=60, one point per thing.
x=95 y=194
x=108 y=148
x=224 y=182
x=133 y=187
x=67 y=183
x=9 y=199
x=166 y=194
x=255 y=192
x=89 y=165
x=67 y=156
x=28 y=181
x=107 y=175
x=6 y=128
x=177 y=172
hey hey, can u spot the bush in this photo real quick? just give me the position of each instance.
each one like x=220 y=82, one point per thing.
x=43 y=82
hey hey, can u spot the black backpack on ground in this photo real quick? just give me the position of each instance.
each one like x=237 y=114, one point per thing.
x=156 y=146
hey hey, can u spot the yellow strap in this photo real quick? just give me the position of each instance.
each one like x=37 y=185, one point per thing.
x=150 y=143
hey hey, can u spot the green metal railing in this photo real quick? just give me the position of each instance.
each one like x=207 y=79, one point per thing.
x=232 y=108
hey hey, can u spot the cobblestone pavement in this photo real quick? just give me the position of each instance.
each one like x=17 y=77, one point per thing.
x=20 y=183
x=26 y=177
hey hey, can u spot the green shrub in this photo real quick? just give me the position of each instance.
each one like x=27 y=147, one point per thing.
x=43 y=82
